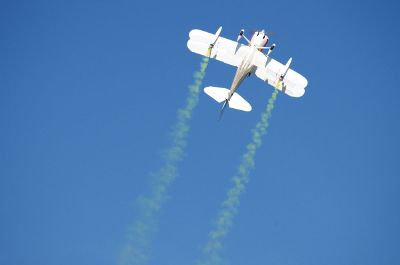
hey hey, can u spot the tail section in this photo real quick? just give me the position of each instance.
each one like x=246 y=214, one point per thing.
x=220 y=95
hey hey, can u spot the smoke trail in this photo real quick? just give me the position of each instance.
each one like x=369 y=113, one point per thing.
x=139 y=234
x=231 y=204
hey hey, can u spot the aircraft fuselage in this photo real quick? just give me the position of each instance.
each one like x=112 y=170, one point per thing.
x=243 y=70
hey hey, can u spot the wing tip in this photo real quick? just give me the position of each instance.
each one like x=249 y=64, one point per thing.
x=301 y=90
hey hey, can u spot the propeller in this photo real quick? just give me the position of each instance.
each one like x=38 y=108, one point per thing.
x=268 y=33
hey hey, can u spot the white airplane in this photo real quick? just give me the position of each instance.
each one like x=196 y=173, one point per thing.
x=249 y=59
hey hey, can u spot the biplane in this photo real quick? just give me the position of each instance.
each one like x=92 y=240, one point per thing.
x=249 y=59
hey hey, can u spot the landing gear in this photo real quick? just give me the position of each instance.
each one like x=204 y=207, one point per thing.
x=241 y=34
x=270 y=49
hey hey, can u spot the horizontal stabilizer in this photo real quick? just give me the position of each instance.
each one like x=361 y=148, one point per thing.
x=220 y=95
x=239 y=103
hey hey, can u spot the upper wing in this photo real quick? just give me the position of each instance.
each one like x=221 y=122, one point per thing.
x=269 y=70
x=224 y=50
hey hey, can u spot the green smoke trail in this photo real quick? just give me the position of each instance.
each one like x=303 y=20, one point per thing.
x=140 y=233
x=231 y=204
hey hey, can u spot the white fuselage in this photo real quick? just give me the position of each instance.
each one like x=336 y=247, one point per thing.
x=258 y=40
x=243 y=70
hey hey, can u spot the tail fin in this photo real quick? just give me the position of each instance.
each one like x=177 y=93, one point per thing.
x=220 y=95
x=221 y=112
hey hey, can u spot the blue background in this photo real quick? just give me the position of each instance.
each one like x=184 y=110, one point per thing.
x=89 y=91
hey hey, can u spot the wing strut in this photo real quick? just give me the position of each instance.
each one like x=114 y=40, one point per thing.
x=213 y=41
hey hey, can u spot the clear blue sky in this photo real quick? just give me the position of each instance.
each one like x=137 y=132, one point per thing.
x=89 y=91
